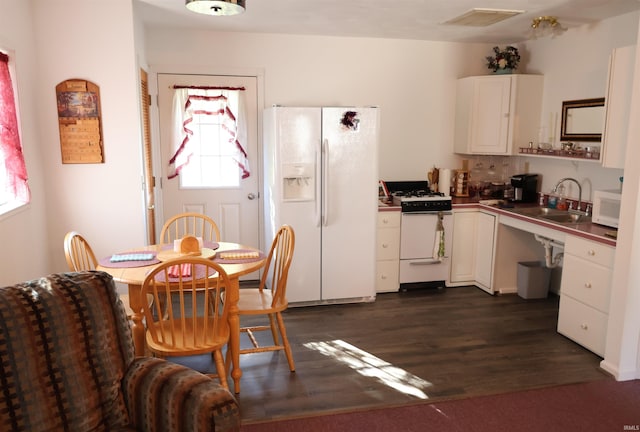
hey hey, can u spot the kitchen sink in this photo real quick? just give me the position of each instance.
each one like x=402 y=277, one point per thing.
x=552 y=215
x=567 y=218
x=537 y=211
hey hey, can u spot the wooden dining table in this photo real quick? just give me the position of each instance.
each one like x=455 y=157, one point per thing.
x=133 y=274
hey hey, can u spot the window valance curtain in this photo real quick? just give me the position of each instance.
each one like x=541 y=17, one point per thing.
x=14 y=169
x=227 y=104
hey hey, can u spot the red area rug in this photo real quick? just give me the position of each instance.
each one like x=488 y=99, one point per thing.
x=604 y=405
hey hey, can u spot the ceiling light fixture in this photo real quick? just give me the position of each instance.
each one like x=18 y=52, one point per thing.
x=546 y=26
x=216 y=7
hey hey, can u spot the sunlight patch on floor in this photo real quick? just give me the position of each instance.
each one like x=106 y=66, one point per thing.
x=369 y=365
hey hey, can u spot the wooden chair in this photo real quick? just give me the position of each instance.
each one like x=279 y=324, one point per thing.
x=270 y=298
x=78 y=253
x=195 y=224
x=80 y=257
x=172 y=327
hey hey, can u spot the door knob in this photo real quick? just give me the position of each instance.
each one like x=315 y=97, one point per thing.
x=252 y=196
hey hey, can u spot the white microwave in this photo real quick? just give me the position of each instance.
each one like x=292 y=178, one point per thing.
x=606 y=207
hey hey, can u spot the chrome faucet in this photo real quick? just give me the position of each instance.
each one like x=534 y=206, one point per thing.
x=579 y=209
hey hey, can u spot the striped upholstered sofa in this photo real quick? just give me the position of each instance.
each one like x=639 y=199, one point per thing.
x=67 y=364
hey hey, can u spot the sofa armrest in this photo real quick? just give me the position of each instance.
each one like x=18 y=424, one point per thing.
x=164 y=396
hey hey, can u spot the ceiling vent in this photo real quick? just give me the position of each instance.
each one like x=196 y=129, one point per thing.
x=479 y=17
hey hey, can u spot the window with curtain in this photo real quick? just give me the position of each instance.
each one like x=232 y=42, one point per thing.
x=14 y=189
x=209 y=138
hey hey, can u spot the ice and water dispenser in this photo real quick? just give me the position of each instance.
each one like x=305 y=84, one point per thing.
x=298 y=182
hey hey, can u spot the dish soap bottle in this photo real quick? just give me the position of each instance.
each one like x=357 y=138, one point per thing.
x=552 y=200
x=562 y=199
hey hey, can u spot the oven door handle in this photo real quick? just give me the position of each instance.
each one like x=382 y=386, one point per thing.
x=427 y=261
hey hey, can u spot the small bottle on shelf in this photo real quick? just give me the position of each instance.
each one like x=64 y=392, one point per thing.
x=541 y=200
x=561 y=204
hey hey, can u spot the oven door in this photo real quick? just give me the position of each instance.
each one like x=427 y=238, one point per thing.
x=417 y=242
x=418 y=234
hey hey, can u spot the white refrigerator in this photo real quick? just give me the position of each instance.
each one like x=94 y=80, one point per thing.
x=321 y=177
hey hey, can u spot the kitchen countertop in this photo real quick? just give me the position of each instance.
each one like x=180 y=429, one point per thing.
x=586 y=230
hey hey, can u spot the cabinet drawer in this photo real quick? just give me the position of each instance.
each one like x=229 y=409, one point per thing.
x=591 y=251
x=423 y=270
x=387 y=276
x=388 y=244
x=388 y=219
x=586 y=282
x=582 y=324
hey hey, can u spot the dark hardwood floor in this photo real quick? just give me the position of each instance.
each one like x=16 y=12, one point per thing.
x=452 y=343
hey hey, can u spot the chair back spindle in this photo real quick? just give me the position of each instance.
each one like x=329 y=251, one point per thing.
x=78 y=253
x=190 y=223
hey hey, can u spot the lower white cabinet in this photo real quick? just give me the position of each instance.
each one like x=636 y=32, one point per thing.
x=388 y=251
x=463 y=253
x=472 y=248
x=585 y=292
x=486 y=236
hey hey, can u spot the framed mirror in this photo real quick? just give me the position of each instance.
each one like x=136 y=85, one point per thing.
x=582 y=120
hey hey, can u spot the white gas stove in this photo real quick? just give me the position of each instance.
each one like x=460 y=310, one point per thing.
x=426 y=221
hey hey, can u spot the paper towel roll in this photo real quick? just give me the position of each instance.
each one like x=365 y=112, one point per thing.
x=444 y=181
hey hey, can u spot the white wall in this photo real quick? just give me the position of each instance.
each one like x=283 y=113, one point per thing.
x=575 y=66
x=23 y=233
x=91 y=40
x=413 y=82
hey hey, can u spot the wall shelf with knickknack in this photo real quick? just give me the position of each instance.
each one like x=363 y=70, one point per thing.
x=580 y=134
x=584 y=154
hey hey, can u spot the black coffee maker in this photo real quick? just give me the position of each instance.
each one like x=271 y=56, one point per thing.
x=525 y=187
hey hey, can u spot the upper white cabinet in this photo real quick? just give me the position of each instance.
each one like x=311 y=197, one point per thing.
x=618 y=105
x=497 y=114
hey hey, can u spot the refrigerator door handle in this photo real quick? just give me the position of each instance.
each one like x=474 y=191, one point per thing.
x=325 y=182
x=318 y=215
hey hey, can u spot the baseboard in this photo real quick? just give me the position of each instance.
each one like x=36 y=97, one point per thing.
x=626 y=375
x=508 y=290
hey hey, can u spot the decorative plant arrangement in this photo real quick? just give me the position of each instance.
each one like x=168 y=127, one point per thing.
x=503 y=61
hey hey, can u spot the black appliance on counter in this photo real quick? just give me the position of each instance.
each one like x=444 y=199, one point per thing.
x=525 y=188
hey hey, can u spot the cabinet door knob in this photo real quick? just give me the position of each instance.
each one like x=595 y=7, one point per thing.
x=383 y=276
x=587 y=285
x=584 y=326
x=385 y=245
x=385 y=221
x=591 y=252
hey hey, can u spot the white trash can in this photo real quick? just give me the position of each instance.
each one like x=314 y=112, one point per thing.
x=533 y=280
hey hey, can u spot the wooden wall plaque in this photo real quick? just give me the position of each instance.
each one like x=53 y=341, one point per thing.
x=79 y=122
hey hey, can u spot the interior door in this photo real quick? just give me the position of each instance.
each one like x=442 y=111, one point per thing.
x=235 y=208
